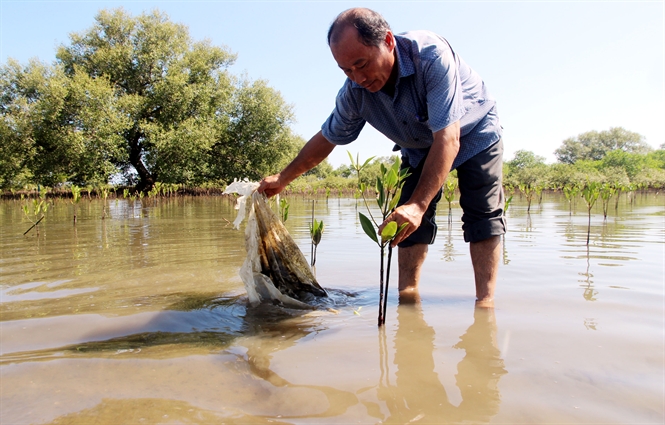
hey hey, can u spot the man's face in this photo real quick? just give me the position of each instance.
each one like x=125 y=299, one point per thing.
x=368 y=66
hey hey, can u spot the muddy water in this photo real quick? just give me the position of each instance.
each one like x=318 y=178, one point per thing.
x=140 y=318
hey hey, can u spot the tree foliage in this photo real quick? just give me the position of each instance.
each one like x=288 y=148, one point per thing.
x=137 y=94
x=594 y=145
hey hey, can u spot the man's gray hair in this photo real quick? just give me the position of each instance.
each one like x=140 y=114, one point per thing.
x=371 y=26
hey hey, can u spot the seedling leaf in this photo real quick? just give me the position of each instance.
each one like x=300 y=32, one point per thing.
x=389 y=232
x=395 y=200
x=379 y=188
x=368 y=227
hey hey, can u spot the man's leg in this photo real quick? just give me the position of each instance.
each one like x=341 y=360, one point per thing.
x=410 y=261
x=485 y=257
x=482 y=201
x=413 y=250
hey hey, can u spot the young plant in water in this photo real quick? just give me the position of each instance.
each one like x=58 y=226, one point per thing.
x=607 y=190
x=590 y=193
x=315 y=232
x=389 y=184
x=104 y=192
x=528 y=190
x=449 y=193
x=570 y=191
x=283 y=210
x=38 y=206
x=76 y=198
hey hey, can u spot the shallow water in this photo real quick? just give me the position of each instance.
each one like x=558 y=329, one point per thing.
x=141 y=318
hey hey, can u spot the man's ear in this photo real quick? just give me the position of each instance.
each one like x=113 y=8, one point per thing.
x=390 y=40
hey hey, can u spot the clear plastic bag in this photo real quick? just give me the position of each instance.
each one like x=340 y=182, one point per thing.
x=275 y=270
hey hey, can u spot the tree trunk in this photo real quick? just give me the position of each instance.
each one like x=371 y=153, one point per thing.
x=146 y=180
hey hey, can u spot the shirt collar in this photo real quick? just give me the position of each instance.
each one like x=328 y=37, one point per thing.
x=405 y=65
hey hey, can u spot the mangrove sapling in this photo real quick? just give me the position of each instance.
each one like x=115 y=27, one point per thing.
x=315 y=232
x=570 y=192
x=389 y=184
x=590 y=193
x=283 y=210
x=38 y=206
x=538 y=188
x=506 y=204
x=620 y=188
x=528 y=190
x=607 y=190
x=104 y=195
x=76 y=198
x=449 y=193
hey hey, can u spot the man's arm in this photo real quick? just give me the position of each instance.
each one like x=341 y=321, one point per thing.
x=316 y=150
x=435 y=170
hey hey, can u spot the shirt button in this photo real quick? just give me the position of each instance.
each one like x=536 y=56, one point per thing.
x=404 y=122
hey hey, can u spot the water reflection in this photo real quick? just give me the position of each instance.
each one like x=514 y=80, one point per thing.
x=448 y=246
x=589 y=291
x=418 y=396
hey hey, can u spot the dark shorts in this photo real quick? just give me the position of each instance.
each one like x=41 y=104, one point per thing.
x=481 y=199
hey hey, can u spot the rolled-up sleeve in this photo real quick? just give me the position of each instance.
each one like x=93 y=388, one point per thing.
x=344 y=123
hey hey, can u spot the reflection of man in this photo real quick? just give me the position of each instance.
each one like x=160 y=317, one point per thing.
x=418 y=92
x=419 y=395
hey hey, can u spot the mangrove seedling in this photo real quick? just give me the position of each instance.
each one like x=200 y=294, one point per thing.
x=315 y=232
x=607 y=190
x=76 y=198
x=105 y=195
x=389 y=184
x=538 y=188
x=506 y=204
x=590 y=193
x=570 y=192
x=39 y=206
x=283 y=210
x=528 y=190
x=449 y=193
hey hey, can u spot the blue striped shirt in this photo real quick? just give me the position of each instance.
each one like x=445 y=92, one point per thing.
x=434 y=88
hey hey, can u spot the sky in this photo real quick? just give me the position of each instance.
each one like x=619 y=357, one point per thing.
x=556 y=68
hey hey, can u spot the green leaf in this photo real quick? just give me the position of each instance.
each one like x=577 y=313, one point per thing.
x=395 y=200
x=401 y=227
x=367 y=162
x=389 y=232
x=368 y=227
x=379 y=188
x=353 y=163
x=316 y=231
x=390 y=180
x=396 y=167
x=404 y=173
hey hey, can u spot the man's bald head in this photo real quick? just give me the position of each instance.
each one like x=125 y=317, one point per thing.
x=371 y=26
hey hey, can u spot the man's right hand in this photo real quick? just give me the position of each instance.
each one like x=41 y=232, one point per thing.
x=314 y=151
x=271 y=185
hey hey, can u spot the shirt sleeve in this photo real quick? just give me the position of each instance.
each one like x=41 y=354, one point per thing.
x=344 y=123
x=443 y=85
